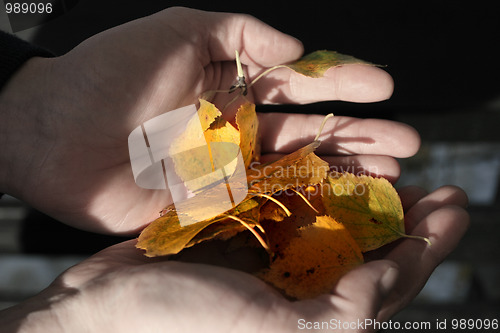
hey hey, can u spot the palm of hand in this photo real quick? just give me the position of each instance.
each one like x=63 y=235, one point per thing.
x=187 y=296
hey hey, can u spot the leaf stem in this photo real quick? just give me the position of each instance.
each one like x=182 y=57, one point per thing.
x=328 y=116
x=417 y=237
x=288 y=213
x=305 y=199
x=267 y=71
x=238 y=64
x=252 y=230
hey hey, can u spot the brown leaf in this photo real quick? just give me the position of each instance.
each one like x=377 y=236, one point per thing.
x=294 y=170
x=314 y=260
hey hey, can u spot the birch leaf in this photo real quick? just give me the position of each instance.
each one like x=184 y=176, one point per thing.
x=370 y=208
x=317 y=63
x=248 y=125
x=314 y=260
x=165 y=235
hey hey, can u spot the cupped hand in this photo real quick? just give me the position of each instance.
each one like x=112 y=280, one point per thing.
x=120 y=290
x=67 y=119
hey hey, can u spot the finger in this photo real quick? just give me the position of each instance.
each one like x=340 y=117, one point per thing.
x=372 y=165
x=285 y=133
x=353 y=83
x=446 y=195
x=410 y=195
x=360 y=293
x=416 y=260
x=113 y=257
x=223 y=33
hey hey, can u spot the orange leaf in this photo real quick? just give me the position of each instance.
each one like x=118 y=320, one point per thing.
x=248 y=125
x=314 y=260
x=299 y=168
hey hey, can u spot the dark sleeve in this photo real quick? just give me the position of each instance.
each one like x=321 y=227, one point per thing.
x=14 y=52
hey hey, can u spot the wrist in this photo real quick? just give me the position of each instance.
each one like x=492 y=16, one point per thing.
x=24 y=130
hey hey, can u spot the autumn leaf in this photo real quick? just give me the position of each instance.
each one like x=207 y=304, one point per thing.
x=165 y=235
x=248 y=125
x=280 y=230
x=191 y=152
x=317 y=63
x=369 y=207
x=196 y=156
x=313 y=261
x=299 y=168
x=292 y=171
x=247 y=210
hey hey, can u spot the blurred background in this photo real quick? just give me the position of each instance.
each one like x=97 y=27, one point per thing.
x=444 y=59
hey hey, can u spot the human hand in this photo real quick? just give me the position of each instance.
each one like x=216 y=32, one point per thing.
x=67 y=119
x=120 y=290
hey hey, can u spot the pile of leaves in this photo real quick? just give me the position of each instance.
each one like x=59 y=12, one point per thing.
x=314 y=223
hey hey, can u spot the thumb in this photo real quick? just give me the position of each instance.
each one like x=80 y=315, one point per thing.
x=360 y=293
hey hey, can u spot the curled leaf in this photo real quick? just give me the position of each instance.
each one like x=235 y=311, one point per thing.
x=165 y=235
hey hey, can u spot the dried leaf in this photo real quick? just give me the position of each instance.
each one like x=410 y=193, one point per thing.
x=248 y=126
x=292 y=171
x=299 y=168
x=248 y=210
x=165 y=235
x=314 y=260
x=217 y=137
x=194 y=152
x=317 y=63
x=281 y=233
x=370 y=208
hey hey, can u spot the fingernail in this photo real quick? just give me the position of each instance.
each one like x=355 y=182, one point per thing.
x=388 y=280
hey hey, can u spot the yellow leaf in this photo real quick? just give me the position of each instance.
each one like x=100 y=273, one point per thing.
x=165 y=235
x=248 y=211
x=248 y=125
x=313 y=261
x=370 y=208
x=221 y=131
x=191 y=152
